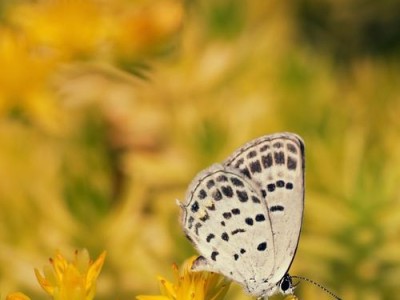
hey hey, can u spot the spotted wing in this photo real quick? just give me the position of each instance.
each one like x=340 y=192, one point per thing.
x=275 y=164
x=226 y=220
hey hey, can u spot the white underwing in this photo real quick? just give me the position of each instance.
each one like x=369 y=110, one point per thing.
x=244 y=215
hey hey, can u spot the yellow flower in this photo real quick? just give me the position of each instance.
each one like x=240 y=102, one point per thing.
x=25 y=78
x=74 y=280
x=191 y=285
x=141 y=29
x=92 y=28
x=24 y=70
x=69 y=28
x=17 y=296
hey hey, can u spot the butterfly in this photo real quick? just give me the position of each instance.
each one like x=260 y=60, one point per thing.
x=244 y=216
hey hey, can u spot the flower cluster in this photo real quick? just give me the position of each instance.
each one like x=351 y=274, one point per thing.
x=76 y=280
x=39 y=38
x=68 y=280
x=191 y=285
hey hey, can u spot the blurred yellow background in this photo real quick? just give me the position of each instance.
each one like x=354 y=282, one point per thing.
x=109 y=108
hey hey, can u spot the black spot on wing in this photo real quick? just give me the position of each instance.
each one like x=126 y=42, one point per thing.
x=242 y=196
x=260 y=218
x=236 y=256
x=262 y=246
x=216 y=195
x=210 y=237
x=245 y=172
x=225 y=236
x=264 y=148
x=291 y=163
x=239 y=162
x=291 y=148
x=255 y=198
x=255 y=167
x=195 y=207
x=210 y=183
x=237 y=182
x=277 y=145
x=190 y=222
x=236 y=211
x=271 y=187
x=249 y=221
x=280 y=183
x=222 y=178
x=227 y=215
x=252 y=154
x=227 y=191
x=289 y=186
x=276 y=208
x=214 y=255
x=236 y=231
x=266 y=160
x=279 y=158
x=202 y=194
x=197 y=227
x=211 y=207
x=205 y=217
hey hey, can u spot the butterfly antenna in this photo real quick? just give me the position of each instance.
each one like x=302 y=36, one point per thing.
x=318 y=285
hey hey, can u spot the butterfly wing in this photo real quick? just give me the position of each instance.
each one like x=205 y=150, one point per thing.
x=275 y=163
x=226 y=220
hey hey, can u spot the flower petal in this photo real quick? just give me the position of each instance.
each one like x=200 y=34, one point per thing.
x=94 y=270
x=17 y=296
x=44 y=283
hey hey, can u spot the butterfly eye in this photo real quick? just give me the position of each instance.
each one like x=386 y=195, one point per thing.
x=286 y=285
